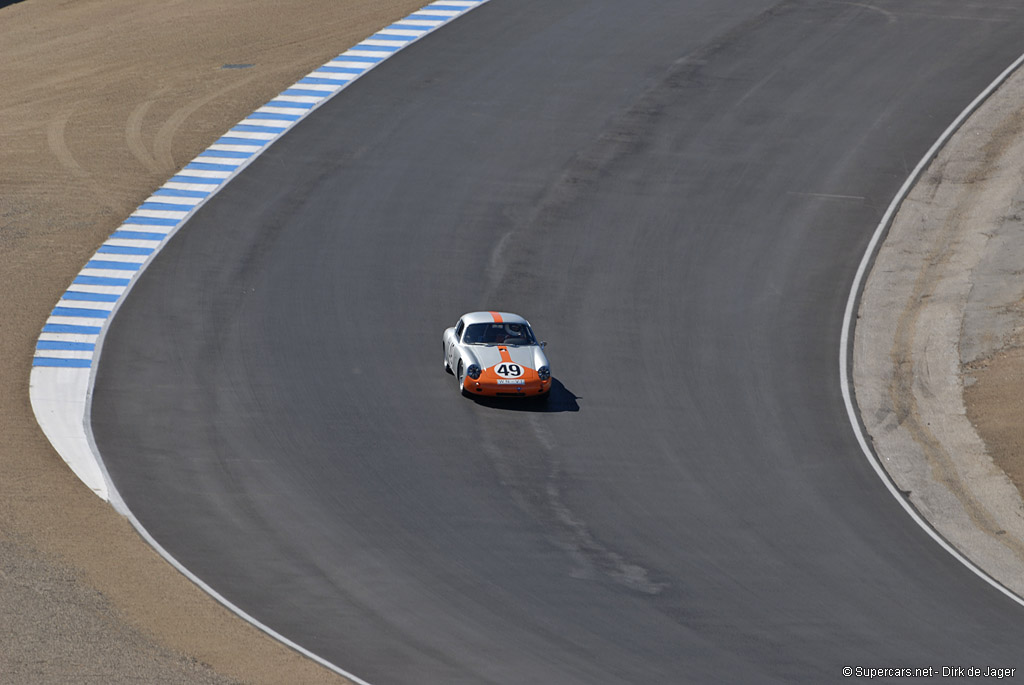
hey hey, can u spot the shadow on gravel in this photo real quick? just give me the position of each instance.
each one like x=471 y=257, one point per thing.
x=5 y=3
x=559 y=399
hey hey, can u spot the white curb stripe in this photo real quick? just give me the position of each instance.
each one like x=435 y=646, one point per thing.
x=75 y=321
x=174 y=185
x=100 y=289
x=428 y=23
x=160 y=213
x=108 y=306
x=206 y=173
x=68 y=337
x=279 y=110
x=354 y=67
x=411 y=33
x=321 y=86
x=299 y=98
x=252 y=136
x=64 y=354
x=385 y=43
x=123 y=242
x=355 y=52
x=128 y=258
x=188 y=202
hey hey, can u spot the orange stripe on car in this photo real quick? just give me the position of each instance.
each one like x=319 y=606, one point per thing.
x=496 y=316
x=505 y=356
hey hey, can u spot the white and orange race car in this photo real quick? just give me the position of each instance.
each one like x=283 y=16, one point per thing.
x=495 y=354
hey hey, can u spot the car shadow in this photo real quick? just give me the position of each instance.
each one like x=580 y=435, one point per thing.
x=560 y=399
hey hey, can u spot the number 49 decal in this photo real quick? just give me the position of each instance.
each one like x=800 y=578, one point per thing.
x=506 y=370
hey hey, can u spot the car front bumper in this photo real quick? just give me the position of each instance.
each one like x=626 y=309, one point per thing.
x=492 y=388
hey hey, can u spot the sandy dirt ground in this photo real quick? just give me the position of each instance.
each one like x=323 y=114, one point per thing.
x=103 y=100
x=995 y=405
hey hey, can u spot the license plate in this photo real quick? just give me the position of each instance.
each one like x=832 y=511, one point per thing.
x=504 y=382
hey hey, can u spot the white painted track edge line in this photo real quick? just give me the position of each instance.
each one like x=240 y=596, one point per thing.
x=112 y=495
x=853 y=302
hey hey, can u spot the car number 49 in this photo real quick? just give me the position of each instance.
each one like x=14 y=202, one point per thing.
x=506 y=370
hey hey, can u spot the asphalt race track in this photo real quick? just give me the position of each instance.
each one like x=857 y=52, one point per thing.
x=677 y=195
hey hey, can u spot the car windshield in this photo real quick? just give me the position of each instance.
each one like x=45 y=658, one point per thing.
x=498 y=334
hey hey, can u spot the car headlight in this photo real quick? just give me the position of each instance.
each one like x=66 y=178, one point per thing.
x=544 y=373
x=473 y=371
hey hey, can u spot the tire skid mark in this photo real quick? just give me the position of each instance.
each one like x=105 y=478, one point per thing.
x=544 y=501
x=135 y=139
x=56 y=138
x=57 y=142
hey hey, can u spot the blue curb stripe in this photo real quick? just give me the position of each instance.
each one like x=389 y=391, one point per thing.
x=118 y=249
x=138 y=235
x=116 y=266
x=251 y=128
x=69 y=328
x=289 y=104
x=65 y=345
x=226 y=154
x=326 y=81
x=253 y=142
x=100 y=280
x=384 y=50
x=151 y=221
x=197 y=180
x=89 y=297
x=174 y=192
x=165 y=207
x=275 y=115
x=358 y=58
x=80 y=313
x=208 y=166
x=339 y=70
x=306 y=93
x=392 y=39
x=73 y=363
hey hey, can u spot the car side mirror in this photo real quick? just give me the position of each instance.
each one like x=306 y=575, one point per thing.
x=544 y=344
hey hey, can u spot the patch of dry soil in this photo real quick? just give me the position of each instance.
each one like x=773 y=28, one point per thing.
x=995 y=402
x=103 y=100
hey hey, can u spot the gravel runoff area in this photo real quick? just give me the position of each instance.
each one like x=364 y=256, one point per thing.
x=103 y=100
x=939 y=351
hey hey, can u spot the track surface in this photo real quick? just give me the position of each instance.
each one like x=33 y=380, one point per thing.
x=677 y=195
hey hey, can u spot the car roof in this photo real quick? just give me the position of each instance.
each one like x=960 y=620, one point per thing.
x=491 y=317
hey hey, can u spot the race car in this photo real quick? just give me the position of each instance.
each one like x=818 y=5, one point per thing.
x=495 y=354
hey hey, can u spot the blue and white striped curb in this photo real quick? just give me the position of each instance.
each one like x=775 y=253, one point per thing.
x=69 y=345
